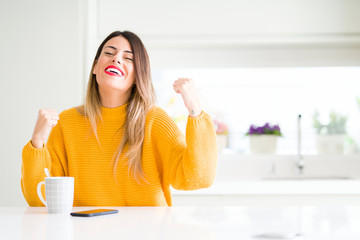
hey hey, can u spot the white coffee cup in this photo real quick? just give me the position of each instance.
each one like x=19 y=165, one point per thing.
x=59 y=193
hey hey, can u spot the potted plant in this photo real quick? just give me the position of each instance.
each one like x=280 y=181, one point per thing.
x=330 y=137
x=263 y=139
x=222 y=133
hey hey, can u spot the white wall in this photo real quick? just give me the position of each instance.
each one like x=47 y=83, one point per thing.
x=239 y=33
x=41 y=67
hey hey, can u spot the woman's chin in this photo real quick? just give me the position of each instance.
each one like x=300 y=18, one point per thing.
x=113 y=87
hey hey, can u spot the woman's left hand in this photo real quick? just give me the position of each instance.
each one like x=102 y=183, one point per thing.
x=186 y=87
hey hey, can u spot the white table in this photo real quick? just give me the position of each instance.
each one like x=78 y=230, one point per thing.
x=147 y=223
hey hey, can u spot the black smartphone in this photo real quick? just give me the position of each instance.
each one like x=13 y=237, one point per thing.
x=92 y=213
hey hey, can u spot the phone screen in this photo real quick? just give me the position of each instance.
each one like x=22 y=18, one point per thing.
x=95 y=212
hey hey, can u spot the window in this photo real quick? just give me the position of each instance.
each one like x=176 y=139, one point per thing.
x=243 y=96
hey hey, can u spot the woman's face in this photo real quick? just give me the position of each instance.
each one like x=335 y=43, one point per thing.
x=114 y=68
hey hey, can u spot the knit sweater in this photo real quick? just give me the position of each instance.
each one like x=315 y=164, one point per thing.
x=168 y=159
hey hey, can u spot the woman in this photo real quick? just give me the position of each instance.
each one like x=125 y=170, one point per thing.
x=121 y=149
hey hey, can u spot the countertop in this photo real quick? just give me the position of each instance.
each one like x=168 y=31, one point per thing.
x=242 y=222
x=278 y=187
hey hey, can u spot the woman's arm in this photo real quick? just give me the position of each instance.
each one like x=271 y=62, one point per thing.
x=189 y=162
x=34 y=160
x=192 y=164
x=196 y=166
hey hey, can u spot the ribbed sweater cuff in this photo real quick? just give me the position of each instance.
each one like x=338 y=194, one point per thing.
x=202 y=117
x=32 y=151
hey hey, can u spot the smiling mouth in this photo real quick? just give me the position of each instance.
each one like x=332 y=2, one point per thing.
x=114 y=71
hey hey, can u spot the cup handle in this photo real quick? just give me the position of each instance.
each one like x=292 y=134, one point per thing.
x=40 y=194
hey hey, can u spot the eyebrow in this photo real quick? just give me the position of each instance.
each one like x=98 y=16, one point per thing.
x=112 y=47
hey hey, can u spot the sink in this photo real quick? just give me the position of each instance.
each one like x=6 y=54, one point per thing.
x=311 y=178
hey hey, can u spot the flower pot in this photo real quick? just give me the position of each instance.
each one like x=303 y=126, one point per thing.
x=222 y=141
x=263 y=143
x=330 y=143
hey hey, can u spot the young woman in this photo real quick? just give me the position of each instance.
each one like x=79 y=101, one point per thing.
x=121 y=149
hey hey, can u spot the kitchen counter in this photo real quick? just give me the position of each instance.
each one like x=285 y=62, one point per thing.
x=257 y=179
x=278 y=187
x=242 y=222
x=274 y=192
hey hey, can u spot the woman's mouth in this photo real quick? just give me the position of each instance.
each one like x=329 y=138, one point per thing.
x=114 y=71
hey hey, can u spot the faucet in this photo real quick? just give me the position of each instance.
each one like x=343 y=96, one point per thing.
x=299 y=160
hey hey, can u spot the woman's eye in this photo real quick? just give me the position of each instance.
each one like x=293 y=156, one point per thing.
x=108 y=53
x=130 y=59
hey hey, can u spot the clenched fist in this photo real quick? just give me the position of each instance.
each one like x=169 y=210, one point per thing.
x=186 y=87
x=47 y=119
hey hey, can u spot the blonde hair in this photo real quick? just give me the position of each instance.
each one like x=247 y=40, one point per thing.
x=142 y=99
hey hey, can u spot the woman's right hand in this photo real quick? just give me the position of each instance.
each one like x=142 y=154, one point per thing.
x=47 y=119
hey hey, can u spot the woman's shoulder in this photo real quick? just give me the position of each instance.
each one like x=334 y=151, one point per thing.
x=158 y=117
x=156 y=112
x=72 y=113
x=161 y=124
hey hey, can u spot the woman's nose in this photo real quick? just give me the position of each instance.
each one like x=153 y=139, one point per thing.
x=116 y=61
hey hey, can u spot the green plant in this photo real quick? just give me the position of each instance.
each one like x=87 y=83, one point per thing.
x=336 y=124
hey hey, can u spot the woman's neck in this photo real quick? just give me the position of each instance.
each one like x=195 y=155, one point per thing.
x=112 y=99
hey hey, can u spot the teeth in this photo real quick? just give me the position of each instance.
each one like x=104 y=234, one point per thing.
x=113 y=70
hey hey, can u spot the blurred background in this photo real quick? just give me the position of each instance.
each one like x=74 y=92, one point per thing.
x=254 y=62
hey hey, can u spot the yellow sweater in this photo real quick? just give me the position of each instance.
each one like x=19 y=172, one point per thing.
x=168 y=158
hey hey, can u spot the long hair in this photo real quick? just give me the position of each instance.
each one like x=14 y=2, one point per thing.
x=142 y=99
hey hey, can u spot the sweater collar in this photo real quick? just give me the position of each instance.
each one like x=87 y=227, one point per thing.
x=116 y=113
